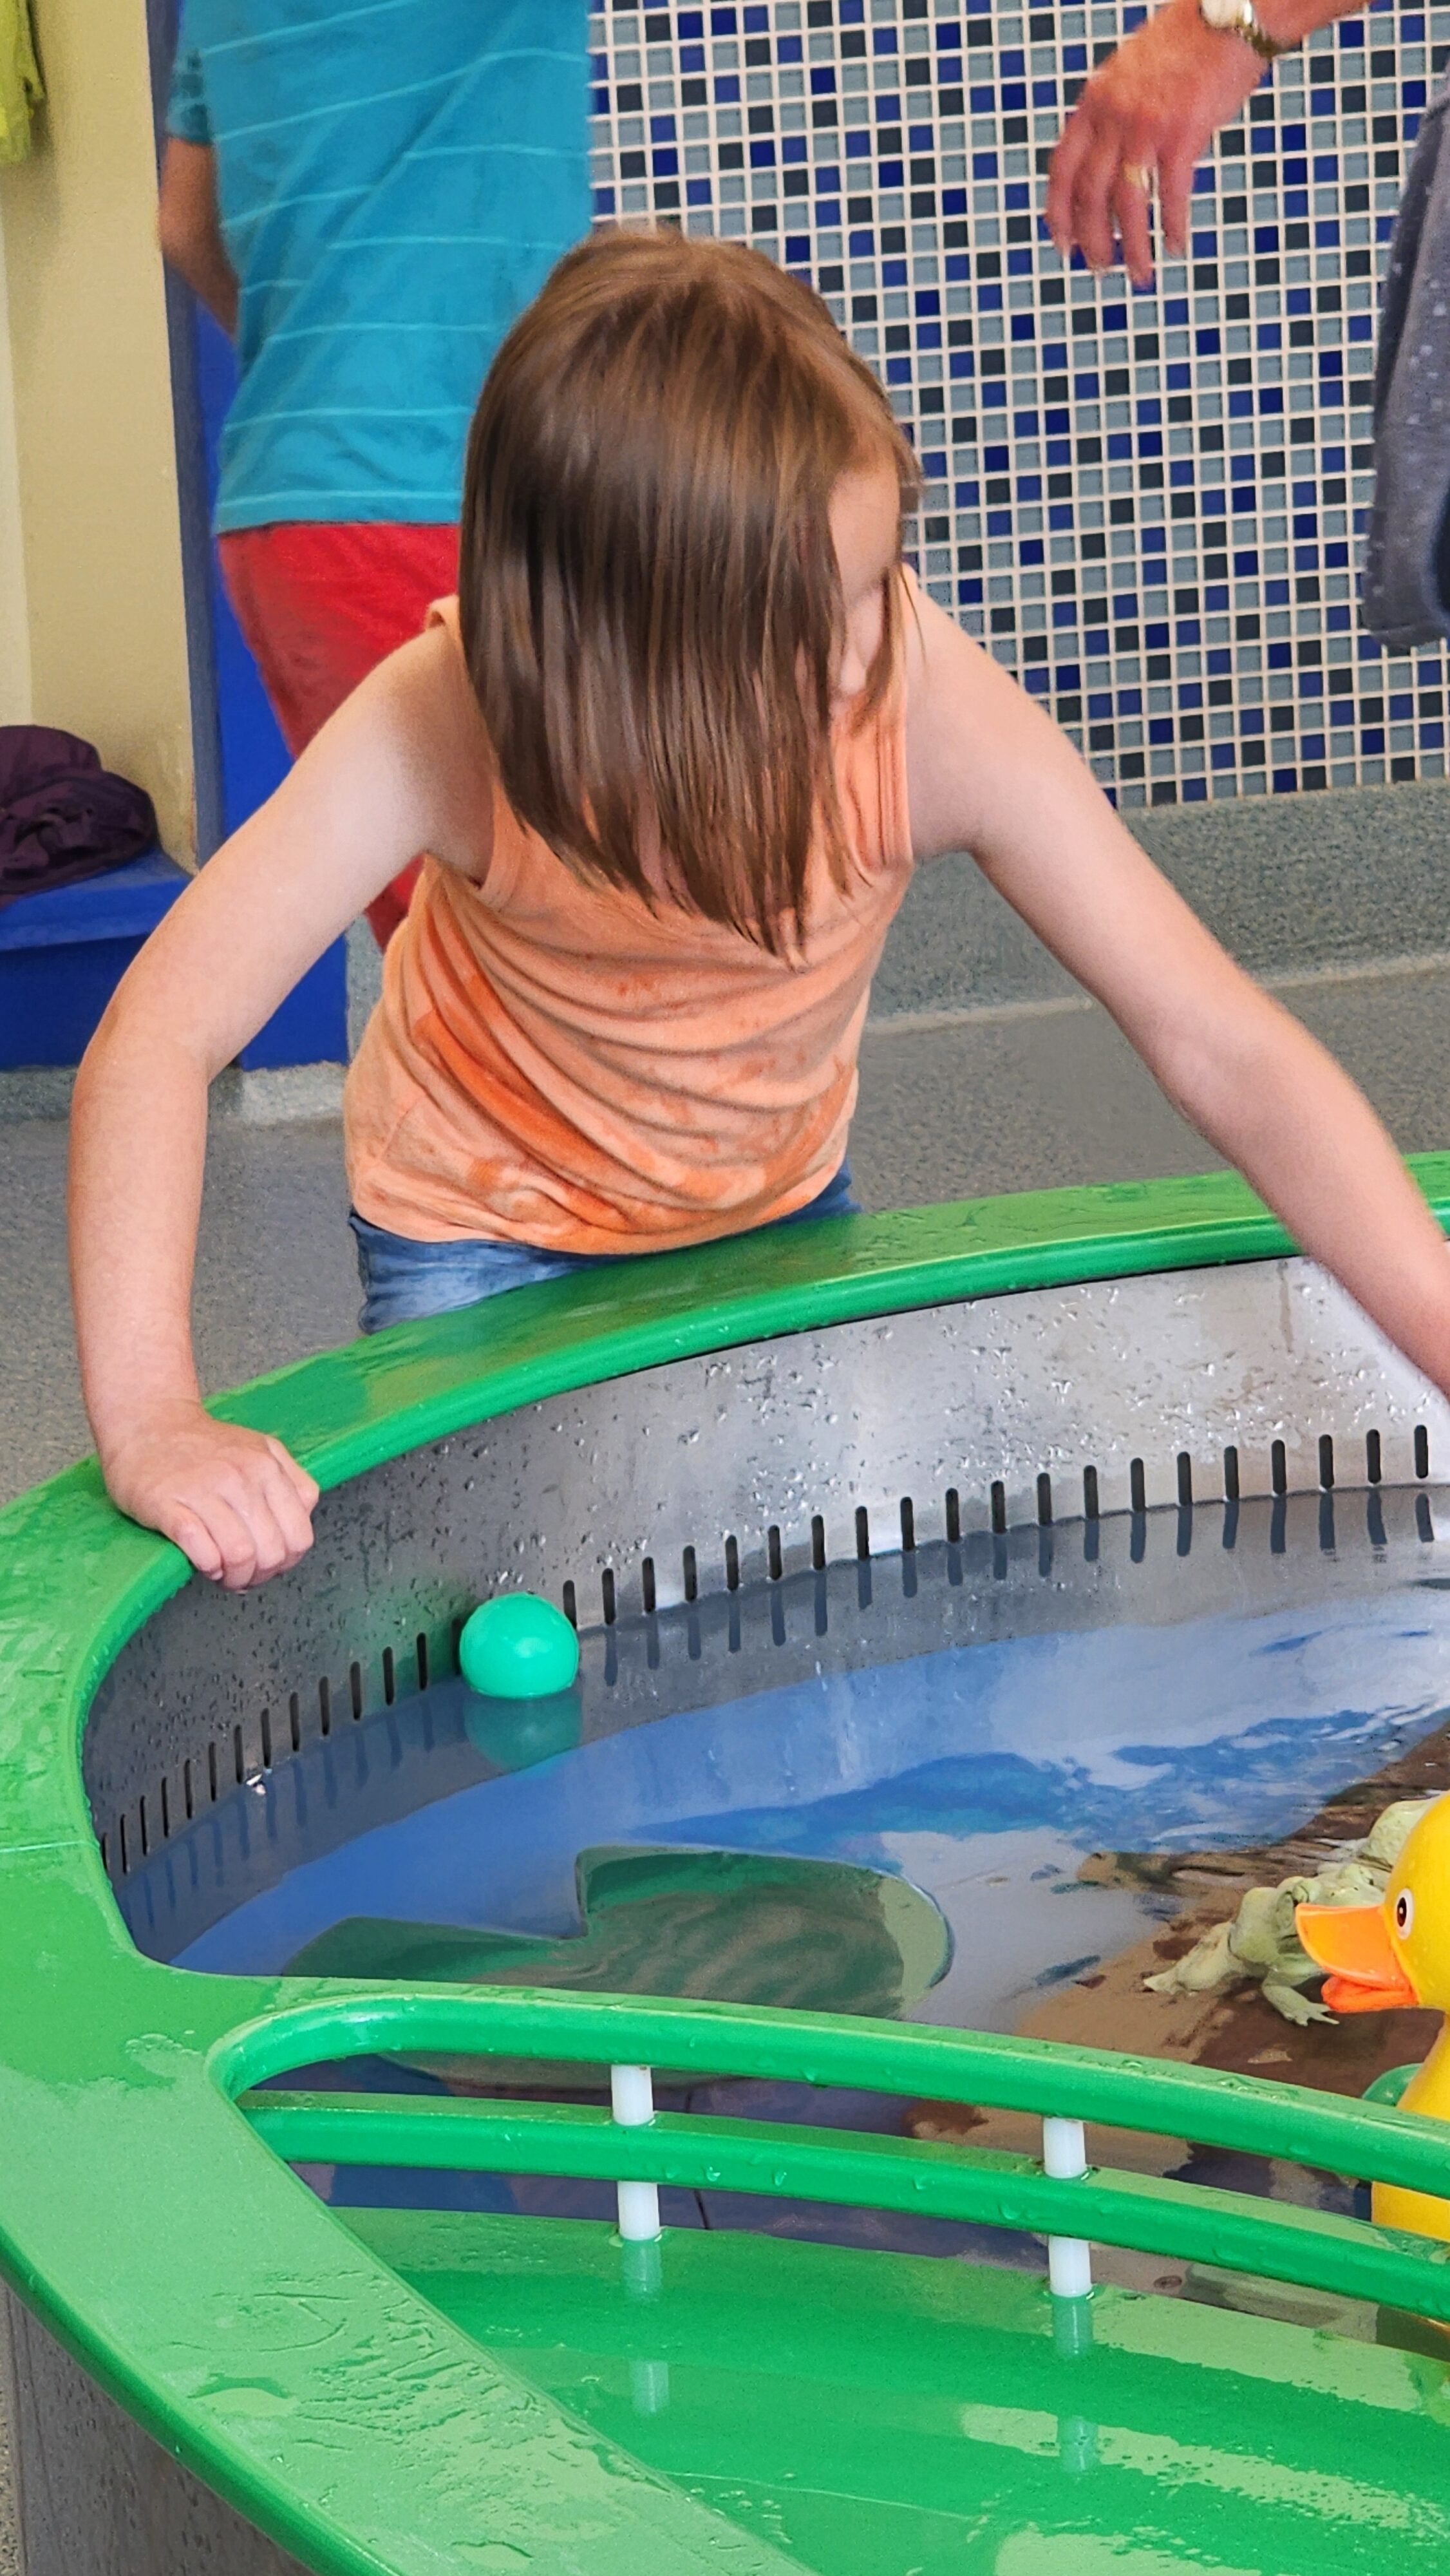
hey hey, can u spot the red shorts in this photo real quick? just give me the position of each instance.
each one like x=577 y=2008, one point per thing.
x=320 y=606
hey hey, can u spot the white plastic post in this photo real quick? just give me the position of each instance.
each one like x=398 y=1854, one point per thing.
x=1069 y=2258
x=632 y=2100
x=643 y=2274
x=649 y=2386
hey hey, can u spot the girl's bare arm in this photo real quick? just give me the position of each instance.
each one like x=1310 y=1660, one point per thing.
x=989 y=772
x=366 y=796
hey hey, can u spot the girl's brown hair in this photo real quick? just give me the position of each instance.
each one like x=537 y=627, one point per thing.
x=648 y=590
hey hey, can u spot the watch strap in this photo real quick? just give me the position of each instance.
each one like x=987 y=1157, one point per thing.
x=1265 y=46
x=1247 y=23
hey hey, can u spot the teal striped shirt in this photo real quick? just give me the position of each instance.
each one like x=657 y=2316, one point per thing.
x=395 y=179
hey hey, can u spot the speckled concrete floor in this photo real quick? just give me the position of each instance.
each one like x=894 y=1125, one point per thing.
x=1289 y=884
x=275 y=1275
x=1042 y=1096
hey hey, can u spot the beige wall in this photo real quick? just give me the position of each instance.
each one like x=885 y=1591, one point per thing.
x=88 y=475
x=14 y=609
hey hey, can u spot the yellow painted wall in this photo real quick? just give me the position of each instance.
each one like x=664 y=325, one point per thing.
x=14 y=606
x=93 y=466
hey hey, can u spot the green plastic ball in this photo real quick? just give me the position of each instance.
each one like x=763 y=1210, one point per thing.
x=518 y=1647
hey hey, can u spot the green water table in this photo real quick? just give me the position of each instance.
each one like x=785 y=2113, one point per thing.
x=211 y=2369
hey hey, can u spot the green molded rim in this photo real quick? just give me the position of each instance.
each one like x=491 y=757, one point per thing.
x=154 y=2229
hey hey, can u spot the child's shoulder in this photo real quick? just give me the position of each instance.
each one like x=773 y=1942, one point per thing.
x=440 y=718
x=427 y=683
x=430 y=673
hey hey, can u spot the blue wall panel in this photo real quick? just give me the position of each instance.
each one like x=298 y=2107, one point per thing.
x=311 y=1026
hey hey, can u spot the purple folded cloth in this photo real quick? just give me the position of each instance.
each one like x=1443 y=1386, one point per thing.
x=62 y=816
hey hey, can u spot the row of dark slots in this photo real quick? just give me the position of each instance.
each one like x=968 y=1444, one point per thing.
x=228 y=1756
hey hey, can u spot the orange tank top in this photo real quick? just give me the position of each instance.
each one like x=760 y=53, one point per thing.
x=553 y=1063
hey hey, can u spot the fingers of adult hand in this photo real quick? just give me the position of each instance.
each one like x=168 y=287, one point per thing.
x=1131 y=202
x=1073 y=147
x=1092 y=220
x=1175 y=194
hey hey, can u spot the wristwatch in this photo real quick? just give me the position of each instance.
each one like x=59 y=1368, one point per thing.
x=1241 y=18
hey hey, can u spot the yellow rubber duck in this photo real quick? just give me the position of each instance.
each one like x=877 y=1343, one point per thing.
x=1378 y=1957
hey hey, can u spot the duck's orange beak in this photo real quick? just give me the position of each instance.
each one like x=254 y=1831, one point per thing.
x=1352 y=1942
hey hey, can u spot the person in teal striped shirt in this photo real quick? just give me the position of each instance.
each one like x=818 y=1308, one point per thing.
x=365 y=193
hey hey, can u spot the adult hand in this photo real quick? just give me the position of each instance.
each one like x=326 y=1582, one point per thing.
x=234 y=1501
x=1153 y=107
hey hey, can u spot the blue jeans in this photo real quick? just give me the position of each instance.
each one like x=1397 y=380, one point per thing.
x=402 y=1280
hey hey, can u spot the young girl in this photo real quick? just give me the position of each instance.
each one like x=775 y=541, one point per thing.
x=673 y=752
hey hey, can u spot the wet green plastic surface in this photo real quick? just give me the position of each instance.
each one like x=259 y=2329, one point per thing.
x=353 y=2411
x=874 y=2415
x=1390 y=2087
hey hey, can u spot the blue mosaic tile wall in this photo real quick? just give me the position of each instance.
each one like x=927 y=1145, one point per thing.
x=1148 y=505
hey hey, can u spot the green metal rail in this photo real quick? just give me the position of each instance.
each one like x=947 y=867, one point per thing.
x=1280 y=2241
x=699 y=2041
x=1186 y=2221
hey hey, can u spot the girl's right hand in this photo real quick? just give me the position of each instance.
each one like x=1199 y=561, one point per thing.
x=232 y=1500
x=394 y=772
